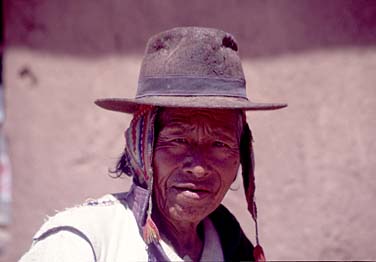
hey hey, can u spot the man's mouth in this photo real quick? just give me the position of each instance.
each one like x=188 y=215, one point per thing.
x=192 y=191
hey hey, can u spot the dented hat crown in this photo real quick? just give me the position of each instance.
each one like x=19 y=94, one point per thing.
x=190 y=67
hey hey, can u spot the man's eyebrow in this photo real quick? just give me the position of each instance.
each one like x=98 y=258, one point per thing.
x=174 y=128
x=218 y=132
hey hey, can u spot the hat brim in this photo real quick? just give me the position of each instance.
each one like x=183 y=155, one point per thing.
x=131 y=105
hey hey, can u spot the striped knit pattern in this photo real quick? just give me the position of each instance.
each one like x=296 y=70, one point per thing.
x=139 y=143
x=139 y=156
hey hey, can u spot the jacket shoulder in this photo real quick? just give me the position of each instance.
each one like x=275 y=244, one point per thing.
x=89 y=214
x=92 y=221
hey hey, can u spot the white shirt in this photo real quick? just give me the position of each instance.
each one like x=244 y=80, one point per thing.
x=112 y=230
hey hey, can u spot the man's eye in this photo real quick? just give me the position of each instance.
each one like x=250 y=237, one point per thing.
x=219 y=144
x=180 y=140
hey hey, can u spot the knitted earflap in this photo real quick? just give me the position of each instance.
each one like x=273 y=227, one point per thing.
x=139 y=156
x=248 y=166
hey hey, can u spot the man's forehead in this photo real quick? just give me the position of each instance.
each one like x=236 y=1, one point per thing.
x=187 y=114
x=185 y=118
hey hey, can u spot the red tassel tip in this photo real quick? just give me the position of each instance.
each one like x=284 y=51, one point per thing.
x=258 y=254
x=150 y=232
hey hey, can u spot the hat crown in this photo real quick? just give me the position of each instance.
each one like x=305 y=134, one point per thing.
x=191 y=67
x=192 y=52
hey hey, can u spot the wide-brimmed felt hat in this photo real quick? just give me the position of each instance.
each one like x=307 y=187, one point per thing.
x=190 y=67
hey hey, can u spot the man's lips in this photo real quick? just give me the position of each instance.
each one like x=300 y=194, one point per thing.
x=191 y=187
x=192 y=191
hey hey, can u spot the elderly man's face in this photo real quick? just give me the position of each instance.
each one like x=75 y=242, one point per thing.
x=196 y=159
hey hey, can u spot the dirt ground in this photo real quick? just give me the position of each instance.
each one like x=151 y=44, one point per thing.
x=315 y=160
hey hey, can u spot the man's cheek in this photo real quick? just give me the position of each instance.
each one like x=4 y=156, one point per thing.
x=161 y=186
x=166 y=160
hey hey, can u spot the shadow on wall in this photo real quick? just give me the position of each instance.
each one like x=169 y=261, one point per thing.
x=265 y=28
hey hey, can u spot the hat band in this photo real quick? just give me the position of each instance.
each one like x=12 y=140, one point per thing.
x=191 y=86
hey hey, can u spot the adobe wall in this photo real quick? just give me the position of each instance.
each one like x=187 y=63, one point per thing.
x=315 y=160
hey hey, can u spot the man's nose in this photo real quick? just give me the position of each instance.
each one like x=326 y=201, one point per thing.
x=196 y=170
x=196 y=165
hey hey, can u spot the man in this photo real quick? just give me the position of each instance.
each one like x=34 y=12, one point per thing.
x=184 y=146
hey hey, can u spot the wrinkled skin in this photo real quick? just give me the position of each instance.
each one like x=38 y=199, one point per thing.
x=196 y=159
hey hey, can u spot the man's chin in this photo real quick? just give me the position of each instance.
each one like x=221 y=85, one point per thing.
x=184 y=210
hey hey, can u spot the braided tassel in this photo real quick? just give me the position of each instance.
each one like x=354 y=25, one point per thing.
x=258 y=254
x=150 y=230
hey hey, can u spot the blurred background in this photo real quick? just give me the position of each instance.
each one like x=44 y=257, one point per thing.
x=315 y=160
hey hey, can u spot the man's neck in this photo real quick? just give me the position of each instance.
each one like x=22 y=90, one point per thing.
x=187 y=239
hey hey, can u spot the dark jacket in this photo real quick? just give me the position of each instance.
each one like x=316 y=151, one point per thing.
x=235 y=245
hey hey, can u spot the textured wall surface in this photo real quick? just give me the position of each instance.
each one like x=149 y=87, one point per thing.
x=315 y=160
